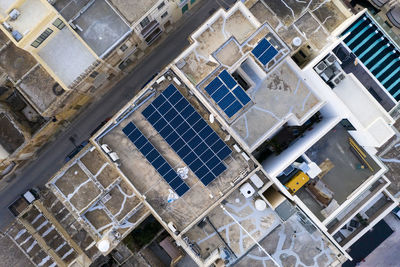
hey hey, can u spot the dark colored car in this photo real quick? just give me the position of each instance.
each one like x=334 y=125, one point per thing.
x=76 y=150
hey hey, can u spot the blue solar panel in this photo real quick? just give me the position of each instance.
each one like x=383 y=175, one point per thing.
x=233 y=109
x=241 y=95
x=268 y=55
x=220 y=93
x=214 y=85
x=264 y=51
x=227 y=79
x=155 y=158
x=228 y=102
x=188 y=134
x=261 y=47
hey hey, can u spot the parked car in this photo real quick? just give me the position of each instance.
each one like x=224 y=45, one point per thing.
x=76 y=150
x=106 y=148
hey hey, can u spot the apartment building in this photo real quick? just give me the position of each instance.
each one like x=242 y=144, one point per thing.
x=261 y=138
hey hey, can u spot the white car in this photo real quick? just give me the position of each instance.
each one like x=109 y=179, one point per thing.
x=106 y=148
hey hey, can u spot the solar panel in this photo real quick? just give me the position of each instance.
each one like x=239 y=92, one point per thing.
x=228 y=95
x=155 y=158
x=264 y=51
x=188 y=134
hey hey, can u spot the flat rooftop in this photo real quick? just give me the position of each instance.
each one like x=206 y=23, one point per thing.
x=67 y=56
x=133 y=11
x=100 y=26
x=16 y=61
x=32 y=12
x=257 y=223
x=10 y=136
x=38 y=87
x=92 y=189
x=277 y=91
x=149 y=183
x=279 y=96
x=312 y=21
x=295 y=242
x=69 y=8
x=342 y=171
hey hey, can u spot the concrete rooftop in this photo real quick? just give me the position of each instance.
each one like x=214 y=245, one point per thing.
x=133 y=10
x=66 y=55
x=93 y=190
x=148 y=182
x=101 y=26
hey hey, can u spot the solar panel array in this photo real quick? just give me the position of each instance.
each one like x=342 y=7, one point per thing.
x=155 y=158
x=264 y=51
x=229 y=96
x=188 y=134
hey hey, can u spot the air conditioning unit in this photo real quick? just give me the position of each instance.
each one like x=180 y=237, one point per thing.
x=14 y=14
x=337 y=79
x=330 y=59
x=320 y=67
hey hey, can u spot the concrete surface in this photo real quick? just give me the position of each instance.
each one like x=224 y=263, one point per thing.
x=101 y=26
x=132 y=11
x=257 y=223
x=11 y=255
x=52 y=156
x=344 y=177
x=387 y=254
x=10 y=137
x=277 y=96
x=37 y=86
x=291 y=245
x=146 y=179
x=66 y=55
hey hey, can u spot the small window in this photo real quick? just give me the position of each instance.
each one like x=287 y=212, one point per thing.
x=164 y=15
x=94 y=74
x=42 y=37
x=160 y=6
x=145 y=22
x=58 y=23
x=123 y=47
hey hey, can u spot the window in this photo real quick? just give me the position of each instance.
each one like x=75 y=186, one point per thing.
x=58 y=23
x=161 y=5
x=94 y=74
x=144 y=22
x=123 y=47
x=42 y=37
x=164 y=15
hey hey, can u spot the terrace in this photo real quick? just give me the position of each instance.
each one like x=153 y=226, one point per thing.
x=186 y=209
x=100 y=26
x=91 y=188
x=66 y=56
x=344 y=165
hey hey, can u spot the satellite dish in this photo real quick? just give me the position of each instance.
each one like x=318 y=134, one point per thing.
x=104 y=246
x=296 y=41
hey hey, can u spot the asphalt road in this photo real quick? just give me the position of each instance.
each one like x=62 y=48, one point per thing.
x=51 y=159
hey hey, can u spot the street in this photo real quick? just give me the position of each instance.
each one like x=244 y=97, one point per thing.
x=51 y=158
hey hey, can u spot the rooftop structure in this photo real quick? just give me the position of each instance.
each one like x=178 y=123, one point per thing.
x=241 y=149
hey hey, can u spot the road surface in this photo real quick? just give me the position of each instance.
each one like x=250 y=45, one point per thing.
x=51 y=159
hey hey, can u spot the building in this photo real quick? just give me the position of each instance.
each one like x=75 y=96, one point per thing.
x=55 y=54
x=257 y=145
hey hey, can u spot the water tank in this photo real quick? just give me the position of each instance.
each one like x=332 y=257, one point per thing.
x=103 y=246
x=260 y=205
x=296 y=41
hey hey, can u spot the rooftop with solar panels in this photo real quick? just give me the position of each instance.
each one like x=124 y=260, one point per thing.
x=241 y=67
x=178 y=158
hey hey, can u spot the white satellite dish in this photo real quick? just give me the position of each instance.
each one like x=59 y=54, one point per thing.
x=104 y=246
